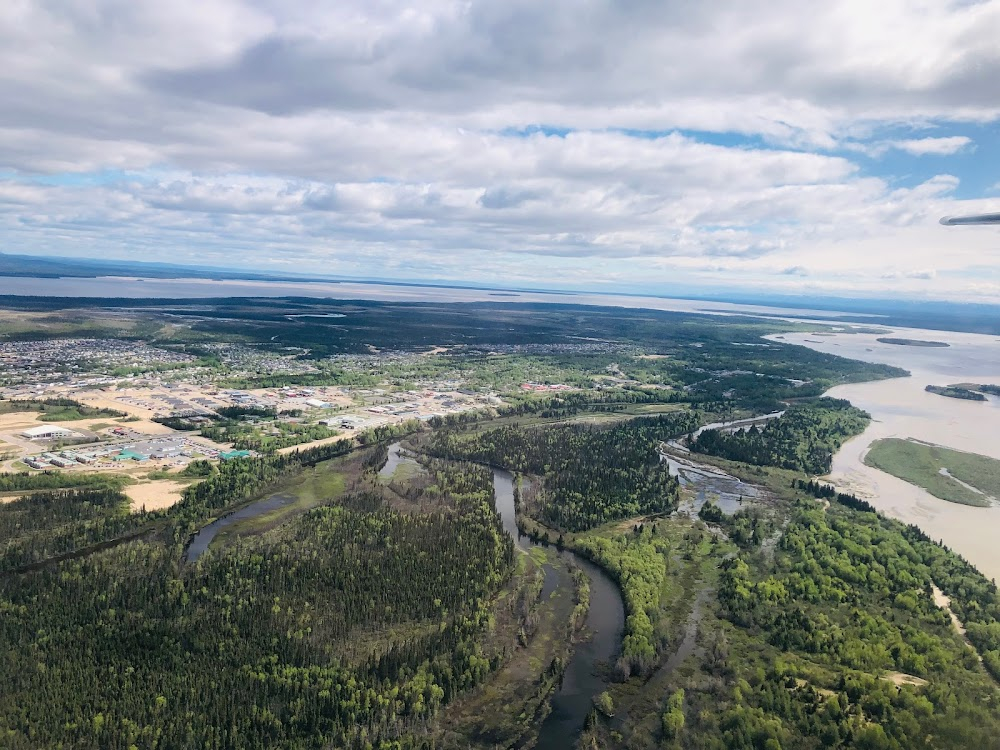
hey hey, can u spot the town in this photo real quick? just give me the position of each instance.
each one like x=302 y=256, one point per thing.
x=144 y=413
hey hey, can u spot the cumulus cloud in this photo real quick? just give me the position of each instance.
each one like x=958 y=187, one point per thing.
x=933 y=146
x=497 y=140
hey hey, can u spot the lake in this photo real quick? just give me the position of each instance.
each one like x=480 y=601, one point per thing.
x=902 y=408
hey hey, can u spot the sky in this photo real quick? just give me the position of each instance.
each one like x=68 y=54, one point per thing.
x=626 y=145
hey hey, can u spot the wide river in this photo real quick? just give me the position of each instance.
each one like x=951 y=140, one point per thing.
x=902 y=408
x=140 y=288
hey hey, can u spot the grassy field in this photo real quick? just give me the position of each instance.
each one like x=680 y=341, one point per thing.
x=315 y=486
x=56 y=410
x=971 y=479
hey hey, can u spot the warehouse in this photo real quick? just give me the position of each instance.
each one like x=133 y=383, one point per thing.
x=48 y=432
x=230 y=455
x=130 y=455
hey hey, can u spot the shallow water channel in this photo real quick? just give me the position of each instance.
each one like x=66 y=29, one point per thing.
x=201 y=540
x=709 y=483
x=395 y=459
x=605 y=621
x=582 y=679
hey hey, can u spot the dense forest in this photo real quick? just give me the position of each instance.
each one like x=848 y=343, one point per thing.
x=42 y=525
x=869 y=660
x=638 y=563
x=804 y=438
x=51 y=480
x=974 y=599
x=261 y=644
x=591 y=474
x=260 y=435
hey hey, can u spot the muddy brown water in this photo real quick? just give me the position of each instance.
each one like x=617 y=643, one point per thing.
x=901 y=408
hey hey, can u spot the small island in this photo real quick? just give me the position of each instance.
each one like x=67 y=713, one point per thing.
x=952 y=475
x=954 y=391
x=993 y=390
x=912 y=342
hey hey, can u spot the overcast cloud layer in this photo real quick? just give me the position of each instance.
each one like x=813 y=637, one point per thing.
x=620 y=144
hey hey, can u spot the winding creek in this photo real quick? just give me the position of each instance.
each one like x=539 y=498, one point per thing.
x=200 y=541
x=582 y=679
x=584 y=675
x=586 y=672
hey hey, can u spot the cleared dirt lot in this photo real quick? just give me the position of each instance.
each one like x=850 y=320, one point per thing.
x=325 y=441
x=155 y=495
x=19 y=420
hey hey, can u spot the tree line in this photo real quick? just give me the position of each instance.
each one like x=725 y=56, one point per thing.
x=803 y=439
x=590 y=474
x=261 y=644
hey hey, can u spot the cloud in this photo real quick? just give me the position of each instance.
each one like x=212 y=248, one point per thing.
x=498 y=140
x=925 y=274
x=795 y=271
x=502 y=197
x=932 y=146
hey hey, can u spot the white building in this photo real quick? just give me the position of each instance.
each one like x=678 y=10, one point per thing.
x=48 y=432
x=347 y=422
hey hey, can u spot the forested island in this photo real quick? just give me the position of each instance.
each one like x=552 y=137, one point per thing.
x=953 y=391
x=992 y=390
x=912 y=342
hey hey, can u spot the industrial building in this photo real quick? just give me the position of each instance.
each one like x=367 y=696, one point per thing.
x=230 y=455
x=127 y=455
x=346 y=422
x=48 y=432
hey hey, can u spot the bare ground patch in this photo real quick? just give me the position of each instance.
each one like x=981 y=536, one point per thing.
x=155 y=495
x=346 y=435
x=19 y=420
x=901 y=678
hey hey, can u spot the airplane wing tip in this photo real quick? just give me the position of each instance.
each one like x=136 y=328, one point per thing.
x=953 y=221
